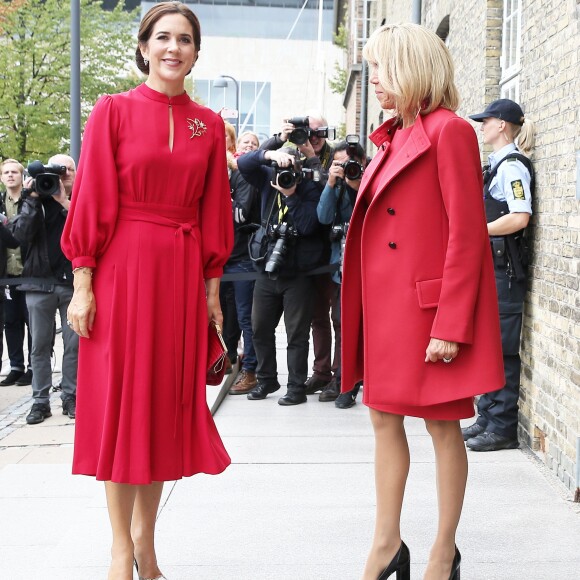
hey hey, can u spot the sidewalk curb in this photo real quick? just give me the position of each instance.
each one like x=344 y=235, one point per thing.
x=224 y=388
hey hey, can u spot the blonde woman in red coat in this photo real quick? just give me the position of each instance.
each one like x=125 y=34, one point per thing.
x=419 y=309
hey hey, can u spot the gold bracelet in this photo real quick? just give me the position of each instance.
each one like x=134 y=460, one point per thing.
x=86 y=269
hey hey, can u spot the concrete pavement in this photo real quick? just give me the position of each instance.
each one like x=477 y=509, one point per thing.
x=296 y=504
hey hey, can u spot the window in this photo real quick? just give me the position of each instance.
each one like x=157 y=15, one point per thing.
x=511 y=89
x=254 y=103
x=511 y=46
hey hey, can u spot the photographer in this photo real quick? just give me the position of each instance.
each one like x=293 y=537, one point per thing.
x=39 y=226
x=335 y=208
x=285 y=247
x=310 y=134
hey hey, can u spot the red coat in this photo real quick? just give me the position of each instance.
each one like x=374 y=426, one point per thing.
x=418 y=264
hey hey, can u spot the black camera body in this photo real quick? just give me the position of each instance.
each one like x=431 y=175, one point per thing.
x=338 y=231
x=287 y=177
x=353 y=170
x=46 y=179
x=302 y=131
x=283 y=233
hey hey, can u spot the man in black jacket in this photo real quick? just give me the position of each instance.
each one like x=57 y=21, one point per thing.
x=286 y=247
x=318 y=155
x=39 y=226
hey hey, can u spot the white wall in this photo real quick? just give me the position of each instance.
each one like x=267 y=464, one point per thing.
x=297 y=70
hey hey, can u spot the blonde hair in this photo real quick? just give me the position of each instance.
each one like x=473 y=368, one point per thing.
x=6 y=161
x=245 y=133
x=231 y=132
x=524 y=136
x=415 y=67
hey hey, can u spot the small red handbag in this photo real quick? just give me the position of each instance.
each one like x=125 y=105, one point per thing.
x=216 y=355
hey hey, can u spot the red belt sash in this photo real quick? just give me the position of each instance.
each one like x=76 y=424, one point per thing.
x=184 y=221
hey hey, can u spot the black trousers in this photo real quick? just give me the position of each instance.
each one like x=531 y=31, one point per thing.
x=498 y=410
x=272 y=298
x=231 y=330
x=15 y=324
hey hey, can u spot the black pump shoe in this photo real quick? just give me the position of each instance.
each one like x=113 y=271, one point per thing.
x=401 y=564
x=455 y=567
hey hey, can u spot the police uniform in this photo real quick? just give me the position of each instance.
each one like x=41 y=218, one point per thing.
x=511 y=184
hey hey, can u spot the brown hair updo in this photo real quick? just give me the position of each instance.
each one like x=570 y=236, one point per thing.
x=151 y=18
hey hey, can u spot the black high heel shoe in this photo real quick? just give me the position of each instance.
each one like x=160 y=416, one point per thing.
x=456 y=566
x=401 y=564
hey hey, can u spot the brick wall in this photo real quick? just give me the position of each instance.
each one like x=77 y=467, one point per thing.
x=550 y=96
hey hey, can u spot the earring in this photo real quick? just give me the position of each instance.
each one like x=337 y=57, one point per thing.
x=146 y=61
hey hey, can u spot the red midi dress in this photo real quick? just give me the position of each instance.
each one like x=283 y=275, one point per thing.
x=153 y=221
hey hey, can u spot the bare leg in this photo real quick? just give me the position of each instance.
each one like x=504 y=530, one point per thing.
x=120 y=501
x=143 y=528
x=451 y=461
x=391 y=471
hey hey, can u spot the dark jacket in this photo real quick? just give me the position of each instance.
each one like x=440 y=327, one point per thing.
x=306 y=251
x=39 y=226
x=246 y=209
x=7 y=240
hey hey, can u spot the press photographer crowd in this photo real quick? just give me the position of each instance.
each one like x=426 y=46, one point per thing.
x=291 y=202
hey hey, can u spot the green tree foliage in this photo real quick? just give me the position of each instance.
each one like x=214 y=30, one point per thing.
x=35 y=72
x=337 y=82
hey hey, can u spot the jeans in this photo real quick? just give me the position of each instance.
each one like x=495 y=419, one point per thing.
x=293 y=297
x=244 y=295
x=42 y=308
x=324 y=364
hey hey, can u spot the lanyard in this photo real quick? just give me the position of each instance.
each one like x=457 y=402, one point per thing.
x=282 y=208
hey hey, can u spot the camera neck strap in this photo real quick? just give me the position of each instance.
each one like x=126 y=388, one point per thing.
x=282 y=208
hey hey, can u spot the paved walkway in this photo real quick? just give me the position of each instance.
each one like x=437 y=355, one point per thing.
x=296 y=504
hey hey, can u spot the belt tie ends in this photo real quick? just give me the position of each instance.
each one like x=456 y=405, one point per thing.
x=184 y=369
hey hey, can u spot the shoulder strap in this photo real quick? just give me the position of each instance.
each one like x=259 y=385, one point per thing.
x=489 y=174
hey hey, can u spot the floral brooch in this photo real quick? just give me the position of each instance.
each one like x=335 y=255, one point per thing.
x=198 y=128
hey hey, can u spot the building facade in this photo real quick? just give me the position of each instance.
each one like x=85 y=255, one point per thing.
x=527 y=51
x=279 y=52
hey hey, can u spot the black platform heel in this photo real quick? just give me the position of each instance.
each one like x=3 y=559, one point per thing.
x=401 y=564
x=456 y=566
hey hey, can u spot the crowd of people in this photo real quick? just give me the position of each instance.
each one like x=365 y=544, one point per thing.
x=292 y=197
x=37 y=281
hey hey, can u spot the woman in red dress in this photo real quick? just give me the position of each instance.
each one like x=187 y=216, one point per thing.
x=419 y=311
x=148 y=232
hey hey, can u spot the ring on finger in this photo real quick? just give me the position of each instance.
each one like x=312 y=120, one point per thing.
x=447 y=360
x=69 y=323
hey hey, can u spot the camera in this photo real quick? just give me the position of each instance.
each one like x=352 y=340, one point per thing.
x=46 y=179
x=338 y=231
x=353 y=170
x=302 y=131
x=282 y=233
x=287 y=177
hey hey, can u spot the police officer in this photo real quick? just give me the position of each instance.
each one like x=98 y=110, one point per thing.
x=508 y=188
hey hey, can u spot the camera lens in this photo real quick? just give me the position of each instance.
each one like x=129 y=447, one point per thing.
x=300 y=136
x=352 y=170
x=277 y=256
x=47 y=184
x=286 y=179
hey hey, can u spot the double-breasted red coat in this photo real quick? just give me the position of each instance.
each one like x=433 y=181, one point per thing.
x=418 y=264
